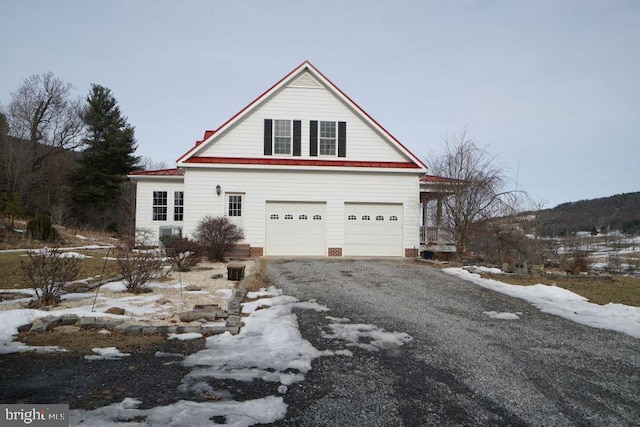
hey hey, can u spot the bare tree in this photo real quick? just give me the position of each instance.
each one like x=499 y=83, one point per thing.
x=44 y=124
x=147 y=164
x=477 y=187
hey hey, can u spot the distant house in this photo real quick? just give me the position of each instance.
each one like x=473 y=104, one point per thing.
x=303 y=170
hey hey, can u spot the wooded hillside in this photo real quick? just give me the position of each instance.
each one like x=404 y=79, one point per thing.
x=619 y=212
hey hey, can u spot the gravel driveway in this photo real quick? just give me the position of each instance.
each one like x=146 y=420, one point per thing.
x=462 y=367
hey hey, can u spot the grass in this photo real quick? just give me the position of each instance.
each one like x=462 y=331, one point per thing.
x=616 y=289
x=258 y=279
x=13 y=277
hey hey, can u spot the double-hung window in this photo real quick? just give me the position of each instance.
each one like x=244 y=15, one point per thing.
x=282 y=137
x=235 y=205
x=327 y=138
x=178 y=205
x=159 y=205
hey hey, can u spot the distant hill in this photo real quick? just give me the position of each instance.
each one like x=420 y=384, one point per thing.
x=620 y=212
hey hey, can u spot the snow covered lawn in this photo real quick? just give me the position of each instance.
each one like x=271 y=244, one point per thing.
x=159 y=307
x=563 y=303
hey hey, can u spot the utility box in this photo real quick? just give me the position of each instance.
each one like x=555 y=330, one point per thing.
x=520 y=268
x=235 y=271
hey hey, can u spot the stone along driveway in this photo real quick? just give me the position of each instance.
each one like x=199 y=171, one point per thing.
x=462 y=367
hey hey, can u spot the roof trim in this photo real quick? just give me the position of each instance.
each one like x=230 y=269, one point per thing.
x=209 y=135
x=300 y=162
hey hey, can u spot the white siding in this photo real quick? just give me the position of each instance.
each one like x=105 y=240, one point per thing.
x=334 y=188
x=245 y=139
x=144 y=204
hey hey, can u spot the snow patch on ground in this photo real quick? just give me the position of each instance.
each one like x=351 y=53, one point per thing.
x=185 y=336
x=367 y=337
x=184 y=413
x=269 y=347
x=106 y=353
x=502 y=316
x=561 y=302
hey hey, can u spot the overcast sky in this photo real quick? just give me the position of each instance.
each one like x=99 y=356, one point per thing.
x=552 y=87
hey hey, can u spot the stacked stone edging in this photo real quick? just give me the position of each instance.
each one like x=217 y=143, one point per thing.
x=48 y=323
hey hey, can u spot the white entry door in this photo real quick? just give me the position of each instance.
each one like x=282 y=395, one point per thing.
x=234 y=208
x=373 y=229
x=296 y=228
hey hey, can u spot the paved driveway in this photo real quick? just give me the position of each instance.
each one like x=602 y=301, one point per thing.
x=462 y=367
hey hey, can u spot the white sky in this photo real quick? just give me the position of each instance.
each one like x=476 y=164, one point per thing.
x=551 y=85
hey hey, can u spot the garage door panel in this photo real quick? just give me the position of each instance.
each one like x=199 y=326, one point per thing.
x=296 y=228
x=373 y=229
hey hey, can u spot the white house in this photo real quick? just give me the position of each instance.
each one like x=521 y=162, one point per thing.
x=302 y=169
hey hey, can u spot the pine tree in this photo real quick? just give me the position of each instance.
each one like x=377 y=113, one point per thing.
x=106 y=161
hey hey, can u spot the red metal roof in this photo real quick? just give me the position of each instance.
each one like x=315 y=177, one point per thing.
x=440 y=179
x=158 y=172
x=300 y=162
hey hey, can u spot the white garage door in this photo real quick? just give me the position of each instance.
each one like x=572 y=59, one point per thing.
x=372 y=229
x=296 y=228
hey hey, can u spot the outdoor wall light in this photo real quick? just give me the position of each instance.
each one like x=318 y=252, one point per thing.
x=218 y=189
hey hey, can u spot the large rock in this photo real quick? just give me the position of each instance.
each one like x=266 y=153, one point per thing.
x=115 y=310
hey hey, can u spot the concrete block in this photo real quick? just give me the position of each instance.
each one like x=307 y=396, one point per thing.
x=134 y=330
x=69 y=319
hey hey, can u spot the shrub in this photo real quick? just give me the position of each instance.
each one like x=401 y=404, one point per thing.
x=576 y=261
x=138 y=268
x=217 y=235
x=182 y=252
x=40 y=228
x=49 y=271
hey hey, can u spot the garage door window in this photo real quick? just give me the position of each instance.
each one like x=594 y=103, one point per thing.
x=379 y=218
x=274 y=216
x=366 y=217
x=288 y=216
x=317 y=217
x=393 y=218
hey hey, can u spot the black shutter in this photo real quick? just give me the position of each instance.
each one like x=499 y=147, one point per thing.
x=268 y=132
x=342 y=139
x=313 y=138
x=297 y=135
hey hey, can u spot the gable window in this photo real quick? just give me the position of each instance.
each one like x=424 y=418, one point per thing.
x=327 y=139
x=178 y=205
x=282 y=137
x=235 y=205
x=159 y=205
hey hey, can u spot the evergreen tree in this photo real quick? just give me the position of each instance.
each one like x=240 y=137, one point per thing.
x=107 y=159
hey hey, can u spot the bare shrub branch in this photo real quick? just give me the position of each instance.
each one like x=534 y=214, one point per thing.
x=138 y=267
x=217 y=235
x=183 y=253
x=49 y=271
